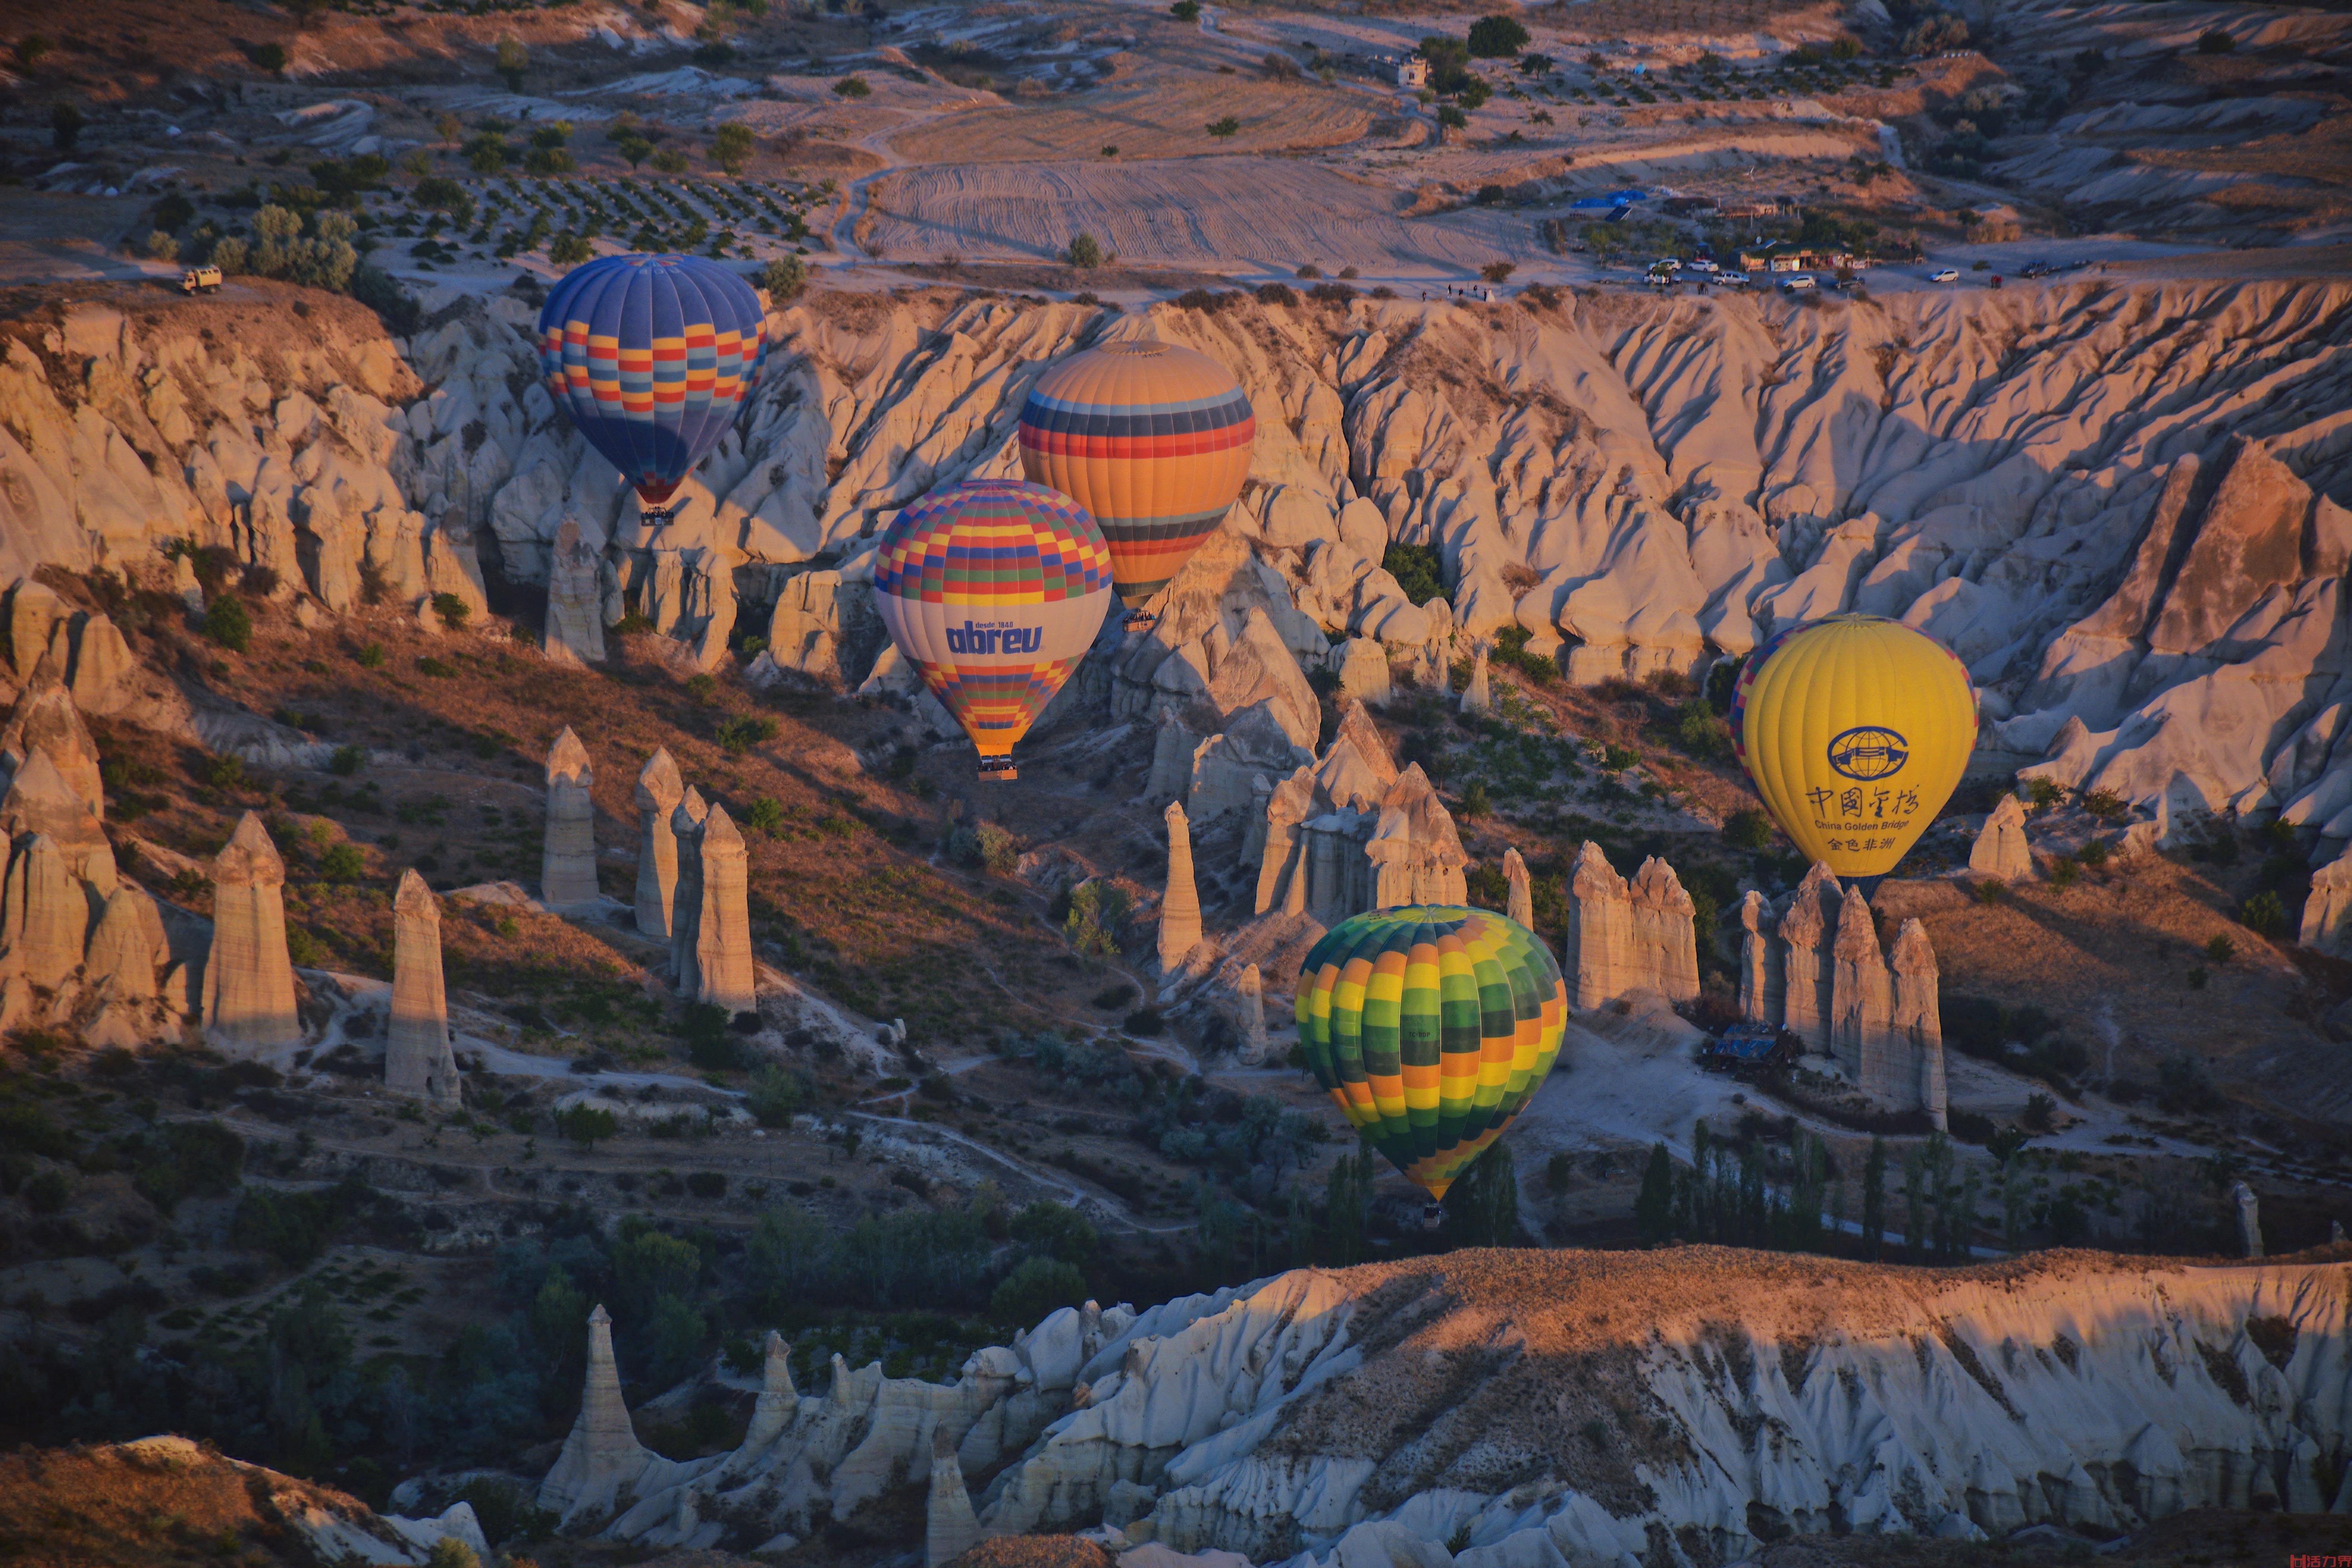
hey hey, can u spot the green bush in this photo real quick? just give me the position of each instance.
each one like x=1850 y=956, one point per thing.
x=738 y=735
x=1084 y=251
x=584 y=1124
x=454 y=611
x=1748 y=828
x=2265 y=914
x=342 y=863
x=1700 y=733
x=1097 y=910
x=439 y=670
x=229 y=623
x=707 y=1185
x=765 y=815
x=2220 y=950
x=1496 y=37
x=774 y=1097
x=294 y=1228
x=853 y=87
x=347 y=761
x=370 y=656
x=709 y=1043
x=1038 y=1287
x=785 y=278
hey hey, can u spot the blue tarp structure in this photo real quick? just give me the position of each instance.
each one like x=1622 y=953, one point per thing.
x=1745 y=1042
x=1613 y=199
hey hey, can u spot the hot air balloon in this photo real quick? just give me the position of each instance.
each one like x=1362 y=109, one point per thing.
x=652 y=355
x=993 y=590
x=1855 y=731
x=1154 y=440
x=1431 y=1026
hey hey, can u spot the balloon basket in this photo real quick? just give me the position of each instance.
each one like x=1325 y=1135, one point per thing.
x=998 y=770
x=1432 y=1216
x=1140 y=621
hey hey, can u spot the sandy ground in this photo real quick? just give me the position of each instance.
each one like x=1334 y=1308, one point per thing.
x=1186 y=213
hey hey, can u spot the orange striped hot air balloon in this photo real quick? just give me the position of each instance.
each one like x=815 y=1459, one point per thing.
x=1153 y=440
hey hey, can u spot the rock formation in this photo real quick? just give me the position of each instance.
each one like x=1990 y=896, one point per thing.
x=1351 y=834
x=1475 y=698
x=949 y=1527
x=1915 y=1059
x=602 y=1456
x=575 y=599
x=44 y=915
x=2249 y=1218
x=660 y=790
x=2000 y=849
x=1363 y=670
x=1519 y=901
x=567 y=875
x=1623 y=938
x=1808 y=929
x=417 y=1058
x=1762 y=979
x=248 y=1006
x=1249 y=1006
x=779 y=1403
x=40 y=799
x=46 y=719
x=710 y=939
x=1862 y=999
x=1210 y=1420
x=1415 y=854
x=1179 y=908
x=2328 y=912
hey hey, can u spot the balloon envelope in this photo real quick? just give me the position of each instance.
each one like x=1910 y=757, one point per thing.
x=1431 y=1026
x=1855 y=731
x=1153 y=439
x=652 y=355
x=993 y=590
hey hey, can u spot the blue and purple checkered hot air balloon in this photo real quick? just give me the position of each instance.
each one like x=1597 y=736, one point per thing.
x=652 y=355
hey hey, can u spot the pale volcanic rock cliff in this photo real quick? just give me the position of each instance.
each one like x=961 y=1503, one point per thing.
x=2118 y=505
x=1513 y=1404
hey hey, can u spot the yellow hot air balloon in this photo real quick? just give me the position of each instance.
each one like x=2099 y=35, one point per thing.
x=1855 y=731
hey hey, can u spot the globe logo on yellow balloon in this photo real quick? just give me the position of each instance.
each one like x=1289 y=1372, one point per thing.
x=1869 y=751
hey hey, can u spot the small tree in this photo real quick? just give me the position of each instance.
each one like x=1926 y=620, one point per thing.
x=65 y=120
x=1482 y=1208
x=853 y=87
x=731 y=146
x=229 y=623
x=1222 y=129
x=161 y=246
x=1084 y=252
x=2213 y=41
x=513 y=61
x=1653 y=1209
x=671 y=161
x=1185 y=10
x=785 y=278
x=1496 y=37
x=1874 y=1200
x=453 y=611
x=1496 y=272
x=1451 y=118
x=567 y=250
x=448 y=127
x=31 y=50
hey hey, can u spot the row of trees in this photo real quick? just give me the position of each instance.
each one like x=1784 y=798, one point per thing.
x=1749 y=1193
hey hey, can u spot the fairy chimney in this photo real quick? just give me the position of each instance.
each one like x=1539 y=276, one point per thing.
x=1760 y=993
x=951 y=1529
x=45 y=720
x=1250 y=1005
x=1807 y=964
x=1862 y=1001
x=2000 y=849
x=660 y=790
x=567 y=875
x=1918 y=1025
x=417 y=1059
x=1519 y=901
x=722 y=972
x=1597 y=954
x=602 y=1455
x=1179 y=908
x=575 y=600
x=248 y=996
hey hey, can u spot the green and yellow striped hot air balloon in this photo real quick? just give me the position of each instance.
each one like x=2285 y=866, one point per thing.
x=1431 y=1026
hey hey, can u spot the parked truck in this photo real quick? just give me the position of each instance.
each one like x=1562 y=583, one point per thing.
x=199 y=280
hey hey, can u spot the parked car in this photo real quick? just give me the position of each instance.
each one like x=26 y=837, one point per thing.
x=1704 y=264
x=1797 y=283
x=1945 y=274
x=1732 y=279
